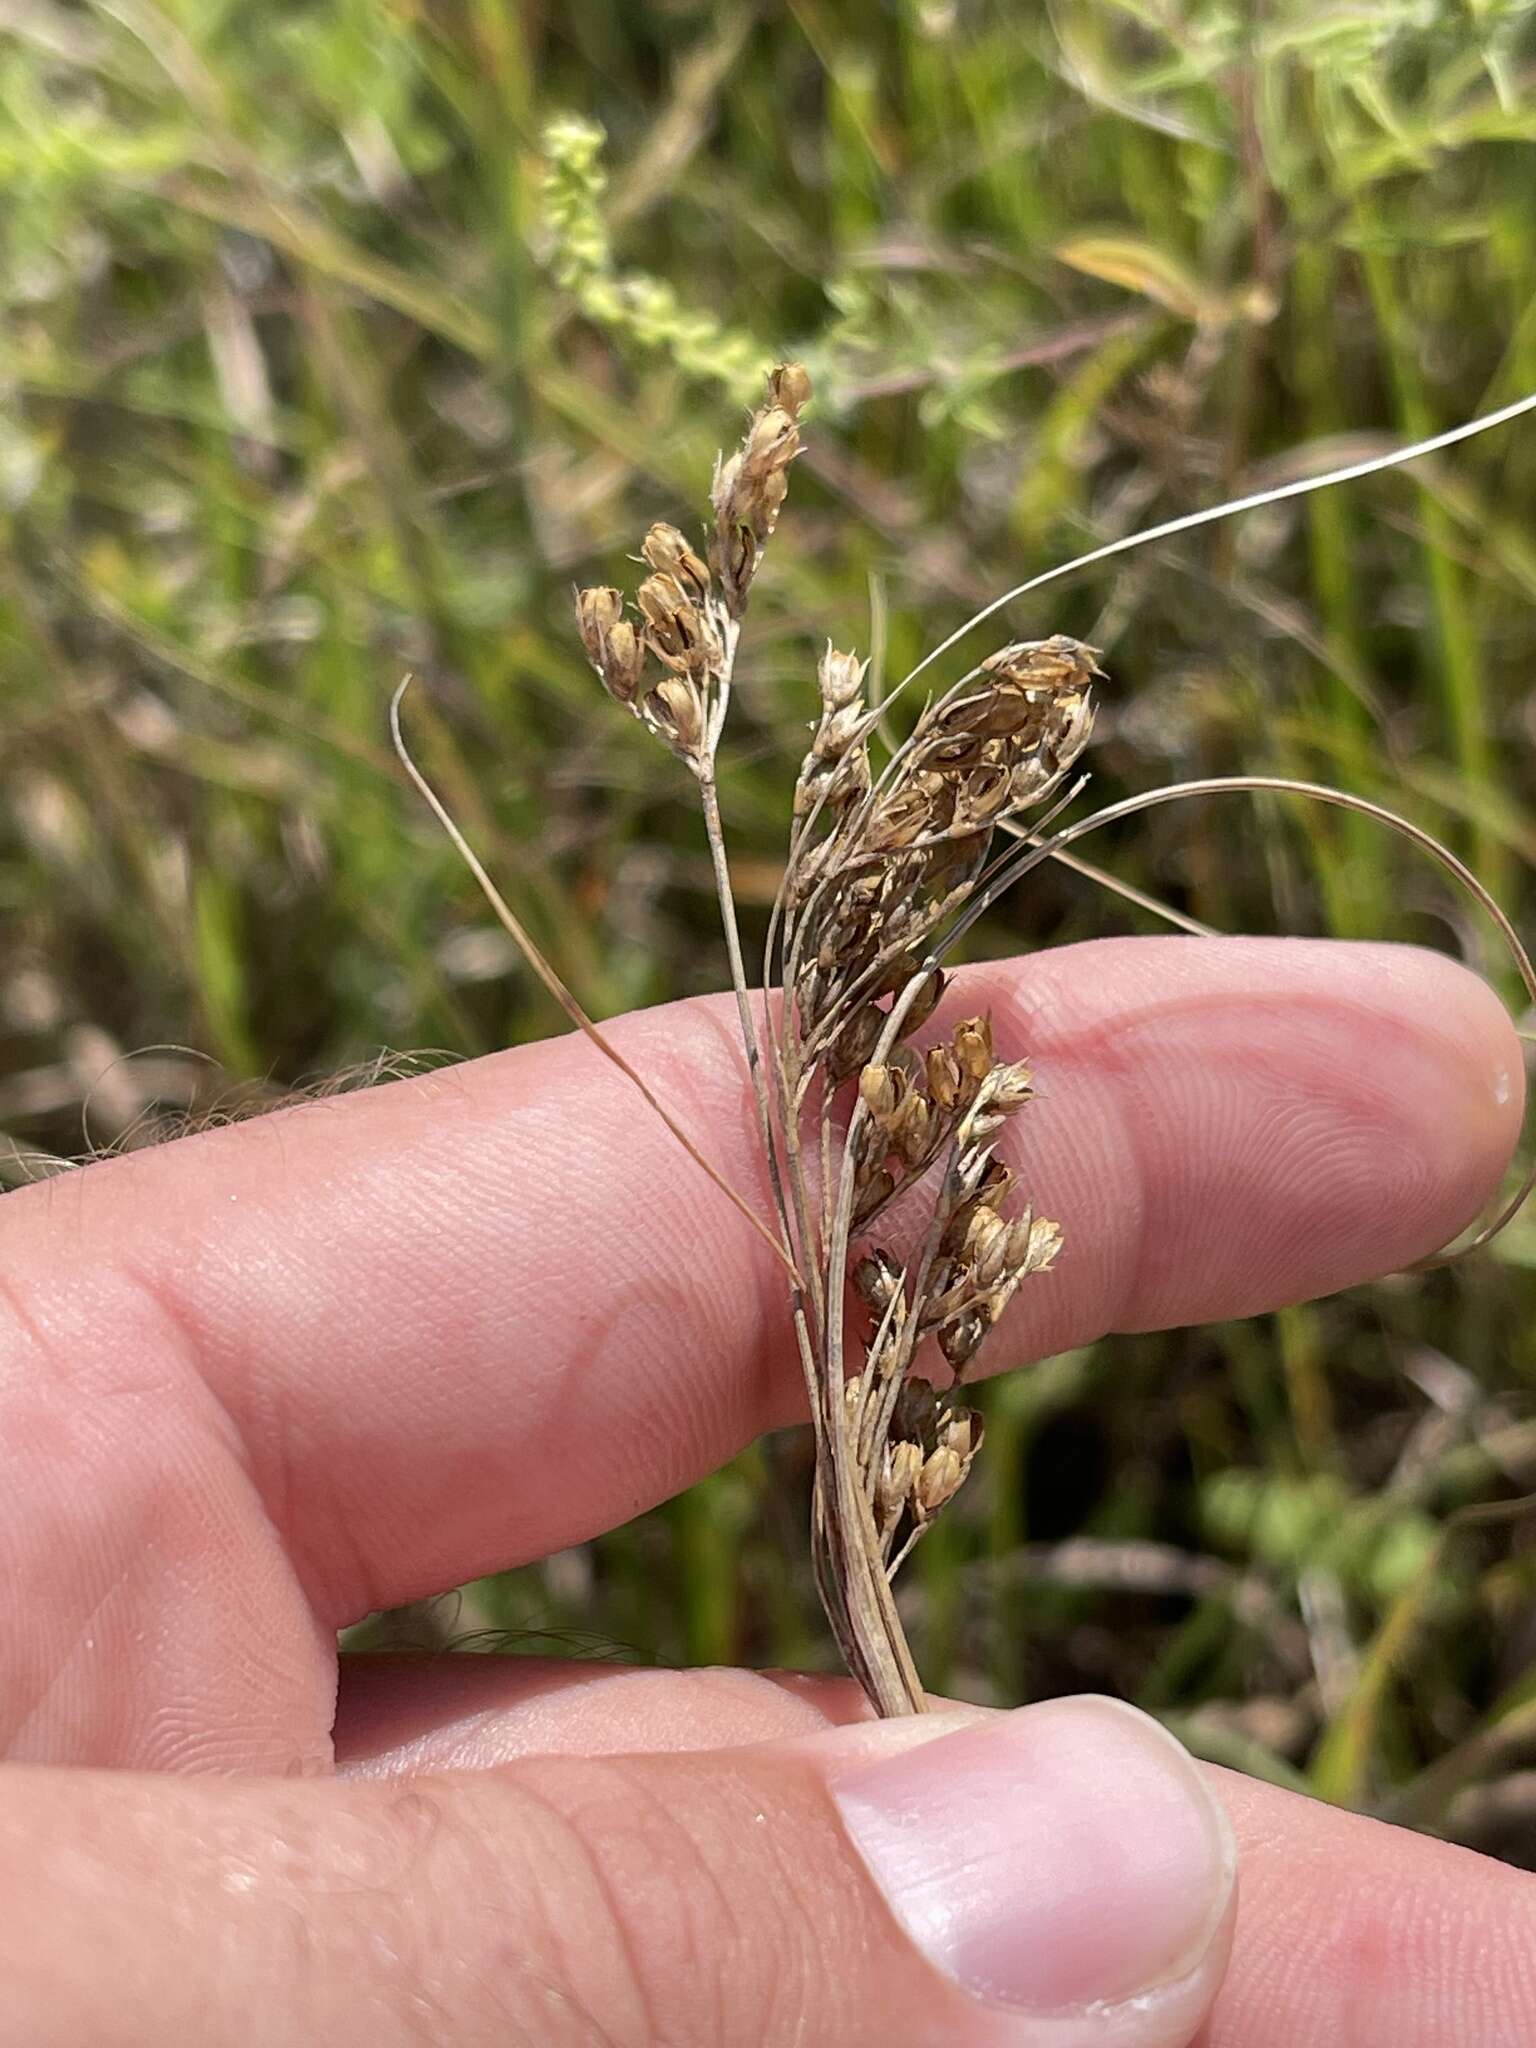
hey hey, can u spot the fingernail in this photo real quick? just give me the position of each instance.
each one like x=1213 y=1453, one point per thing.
x=1062 y=1856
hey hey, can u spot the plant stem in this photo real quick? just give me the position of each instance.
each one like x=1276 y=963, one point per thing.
x=884 y=1666
x=850 y=1570
x=714 y=831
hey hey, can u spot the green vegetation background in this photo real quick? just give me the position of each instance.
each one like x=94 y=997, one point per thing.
x=309 y=377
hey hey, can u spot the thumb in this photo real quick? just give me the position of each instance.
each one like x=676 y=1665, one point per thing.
x=1052 y=1878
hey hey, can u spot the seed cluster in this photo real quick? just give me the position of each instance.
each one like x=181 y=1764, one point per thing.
x=898 y=858
x=879 y=864
x=686 y=612
x=750 y=488
x=926 y=1459
x=914 y=1445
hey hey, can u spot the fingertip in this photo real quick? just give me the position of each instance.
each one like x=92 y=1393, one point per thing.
x=1470 y=1107
x=1494 y=1067
x=1260 y=1121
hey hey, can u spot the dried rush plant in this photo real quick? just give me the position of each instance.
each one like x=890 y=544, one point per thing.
x=877 y=866
x=884 y=871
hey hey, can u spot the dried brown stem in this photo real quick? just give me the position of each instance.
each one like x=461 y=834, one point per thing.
x=523 y=939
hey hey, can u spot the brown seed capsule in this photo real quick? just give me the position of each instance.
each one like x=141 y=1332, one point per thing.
x=1074 y=728
x=987 y=1244
x=962 y=1430
x=910 y=1129
x=625 y=664
x=900 y=819
x=899 y=1472
x=1046 y=664
x=1008 y=1087
x=659 y=599
x=874 y=1194
x=1033 y=1242
x=973 y=1048
x=1018 y=1240
x=770 y=441
x=877 y=1278
x=747 y=494
x=612 y=644
x=667 y=551
x=736 y=550
x=1018 y=716
x=943 y=1076
x=848 y=781
x=987 y=791
x=676 y=628
x=598 y=610
x=937 y=1482
x=855 y=1042
x=789 y=386
x=926 y=1001
x=960 y=1340
x=675 y=709
x=840 y=678
x=837 y=732
x=957 y=1230
x=877 y=1089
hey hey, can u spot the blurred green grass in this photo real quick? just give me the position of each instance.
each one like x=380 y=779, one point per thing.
x=302 y=389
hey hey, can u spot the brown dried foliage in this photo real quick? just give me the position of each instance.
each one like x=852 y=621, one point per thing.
x=879 y=865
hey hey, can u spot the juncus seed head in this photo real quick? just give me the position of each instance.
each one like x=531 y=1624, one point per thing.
x=879 y=875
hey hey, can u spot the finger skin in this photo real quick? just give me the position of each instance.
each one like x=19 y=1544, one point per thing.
x=260 y=1382
x=662 y=1901
x=1350 y=1934
x=1367 y=1936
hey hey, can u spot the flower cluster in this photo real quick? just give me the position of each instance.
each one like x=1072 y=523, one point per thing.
x=925 y=1462
x=880 y=866
x=914 y=1103
x=668 y=661
x=750 y=488
x=983 y=1256
x=899 y=855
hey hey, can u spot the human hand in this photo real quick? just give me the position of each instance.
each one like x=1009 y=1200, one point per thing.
x=265 y=1380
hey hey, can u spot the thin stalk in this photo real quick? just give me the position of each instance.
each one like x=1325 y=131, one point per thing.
x=826 y=1180
x=513 y=926
x=1188 y=521
x=914 y=1537
x=714 y=830
x=1103 y=879
x=1222 y=785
